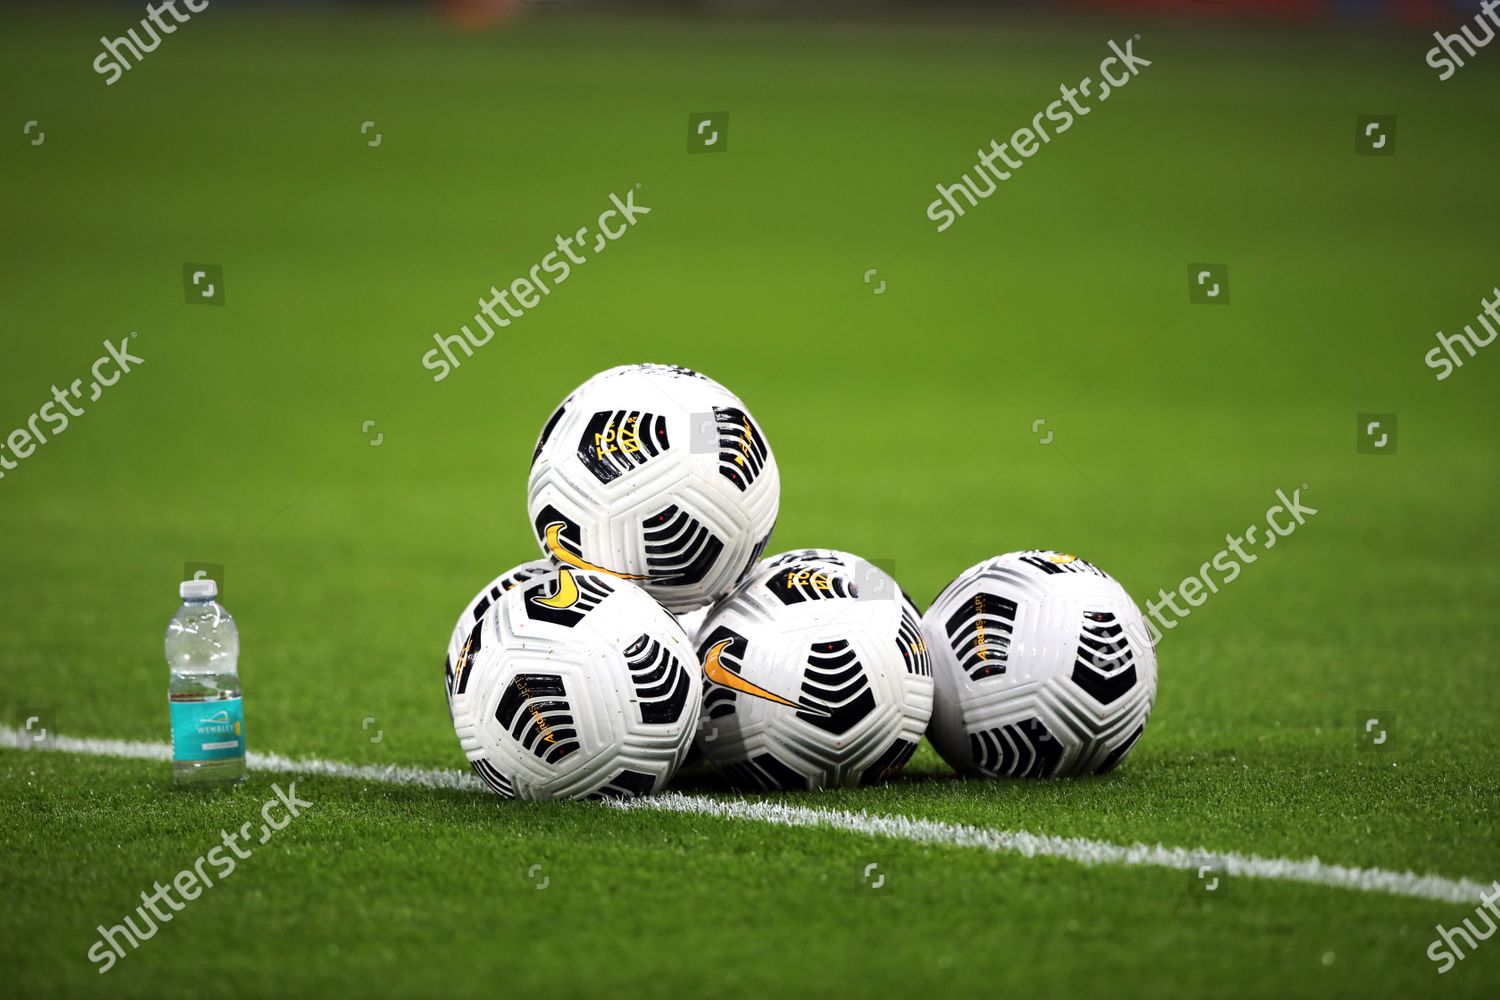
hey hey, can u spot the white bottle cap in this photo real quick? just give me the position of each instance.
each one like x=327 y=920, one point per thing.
x=198 y=589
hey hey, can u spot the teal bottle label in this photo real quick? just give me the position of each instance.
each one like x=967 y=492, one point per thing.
x=208 y=730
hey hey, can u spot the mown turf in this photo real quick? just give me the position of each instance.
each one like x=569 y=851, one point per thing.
x=903 y=426
x=404 y=891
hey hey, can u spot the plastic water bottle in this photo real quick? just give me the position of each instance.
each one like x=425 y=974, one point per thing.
x=208 y=720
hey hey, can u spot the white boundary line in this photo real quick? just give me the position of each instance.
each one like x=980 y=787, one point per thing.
x=1081 y=850
x=12 y=738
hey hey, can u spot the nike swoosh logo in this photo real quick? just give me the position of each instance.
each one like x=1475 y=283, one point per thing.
x=561 y=554
x=463 y=662
x=567 y=592
x=721 y=675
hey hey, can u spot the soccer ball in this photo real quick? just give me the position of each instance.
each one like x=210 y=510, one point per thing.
x=655 y=474
x=576 y=685
x=810 y=681
x=1043 y=668
x=467 y=630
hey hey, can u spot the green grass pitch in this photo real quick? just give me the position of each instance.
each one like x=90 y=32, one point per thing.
x=903 y=425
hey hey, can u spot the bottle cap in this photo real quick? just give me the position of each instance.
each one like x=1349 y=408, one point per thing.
x=198 y=589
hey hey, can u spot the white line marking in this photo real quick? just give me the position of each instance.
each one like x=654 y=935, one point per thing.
x=1081 y=850
x=1077 y=849
x=390 y=774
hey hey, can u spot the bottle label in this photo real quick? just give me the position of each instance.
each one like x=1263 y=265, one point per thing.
x=208 y=730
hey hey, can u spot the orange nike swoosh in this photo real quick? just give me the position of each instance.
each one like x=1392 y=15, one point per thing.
x=567 y=592
x=555 y=546
x=463 y=661
x=719 y=674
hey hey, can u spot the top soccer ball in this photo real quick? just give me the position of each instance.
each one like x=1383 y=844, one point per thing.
x=1042 y=667
x=655 y=474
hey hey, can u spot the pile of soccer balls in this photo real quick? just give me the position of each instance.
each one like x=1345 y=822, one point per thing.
x=653 y=625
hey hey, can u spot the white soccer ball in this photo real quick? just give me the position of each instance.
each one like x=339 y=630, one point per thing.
x=472 y=620
x=809 y=681
x=576 y=685
x=659 y=475
x=1043 y=668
